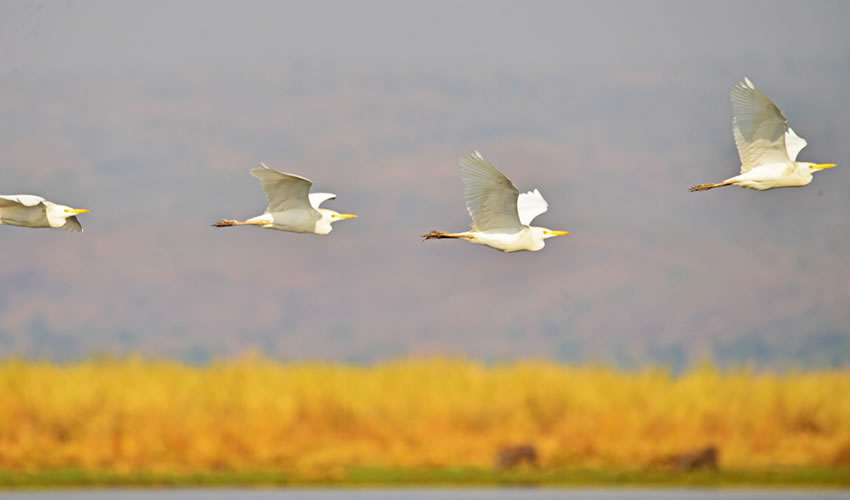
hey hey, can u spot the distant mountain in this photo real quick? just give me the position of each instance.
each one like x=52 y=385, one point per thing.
x=649 y=274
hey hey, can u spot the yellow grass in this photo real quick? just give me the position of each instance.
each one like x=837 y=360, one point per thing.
x=255 y=414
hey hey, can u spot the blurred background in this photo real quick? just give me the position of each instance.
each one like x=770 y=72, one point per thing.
x=154 y=349
x=150 y=114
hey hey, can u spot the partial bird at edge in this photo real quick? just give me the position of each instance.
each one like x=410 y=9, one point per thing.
x=27 y=210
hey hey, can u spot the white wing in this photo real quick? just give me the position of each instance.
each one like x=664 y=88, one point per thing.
x=27 y=200
x=530 y=205
x=317 y=199
x=284 y=191
x=759 y=127
x=794 y=143
x=491 y=198
x=73 y=225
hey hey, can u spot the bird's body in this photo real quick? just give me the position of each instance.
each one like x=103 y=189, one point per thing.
x=768 y=148
x=775 y=175
x=527 y=238
x=27 y=210
x=501 y=215
x=291 y=206
x=293 y=221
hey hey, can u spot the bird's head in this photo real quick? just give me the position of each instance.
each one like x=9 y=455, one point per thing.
x=336 y=216
x=549 y=233
x=57 y=214
x=323 y=226
x=814 y=167
x=54 y=210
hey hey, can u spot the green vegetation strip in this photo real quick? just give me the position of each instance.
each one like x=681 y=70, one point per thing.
x=387 y=477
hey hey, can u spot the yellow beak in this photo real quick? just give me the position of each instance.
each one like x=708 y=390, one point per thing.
x=346 y=216
x=557 y=233
x=822 y=166
x=79 y=211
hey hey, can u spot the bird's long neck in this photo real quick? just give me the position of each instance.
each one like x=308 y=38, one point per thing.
x=803 y=171
x=55 y=215
x=323 y=225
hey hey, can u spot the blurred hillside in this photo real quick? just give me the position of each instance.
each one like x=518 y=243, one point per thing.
x=153 y=126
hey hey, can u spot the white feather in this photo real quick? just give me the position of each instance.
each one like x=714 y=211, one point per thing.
x=491 y=198
x=317 y=199
x=283 y=191
x=794 y=143
x=759 y=128
x=530 y=205
x=27 y=200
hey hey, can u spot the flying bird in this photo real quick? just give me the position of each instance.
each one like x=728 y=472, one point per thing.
x=767 y=146
x=501 y=215
x=28 y=210
x=291 y=205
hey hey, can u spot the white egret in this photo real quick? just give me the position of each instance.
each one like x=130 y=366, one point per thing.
x=500 y=213
x=28 y=210
x=291 y=205
x=767 y=147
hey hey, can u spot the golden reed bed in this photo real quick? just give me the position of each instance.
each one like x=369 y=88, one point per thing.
x=255 y=414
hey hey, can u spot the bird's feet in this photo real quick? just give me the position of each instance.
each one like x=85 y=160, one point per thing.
x=225 y=223
x=432 y=235
x=439 y=235
x=706 y=187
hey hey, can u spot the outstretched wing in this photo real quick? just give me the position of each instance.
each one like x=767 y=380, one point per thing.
x=793 y=143
x=26 y=200
x=530 y=205
x=491 y=198
x=73 y=225
x=284 y=191
x=759 y=127
x=317 y=199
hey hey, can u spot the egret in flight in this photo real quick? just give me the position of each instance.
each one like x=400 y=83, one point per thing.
x=767 y=147
x=291 y=205
x=500 y=213
x=28 y=210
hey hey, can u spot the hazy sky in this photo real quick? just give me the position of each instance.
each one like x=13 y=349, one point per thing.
x=151 y=113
